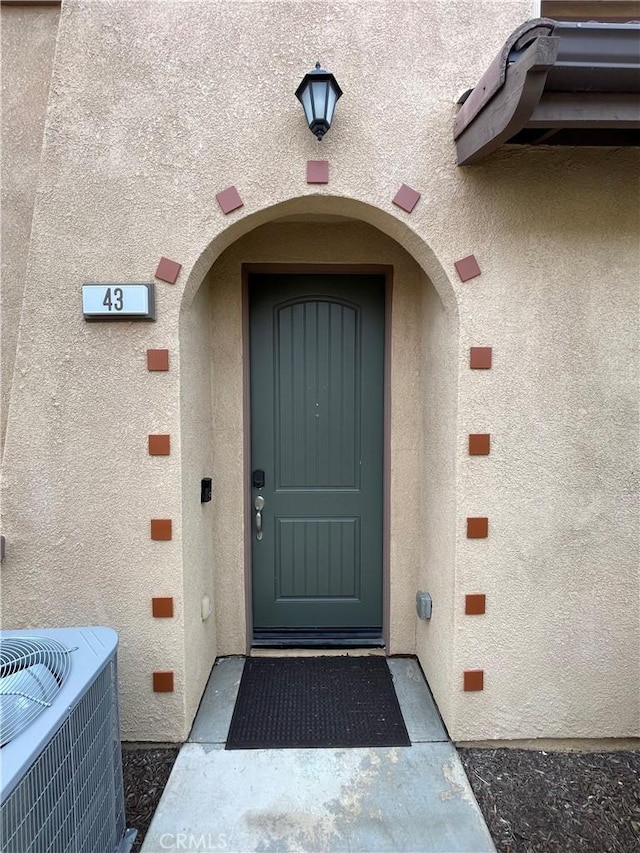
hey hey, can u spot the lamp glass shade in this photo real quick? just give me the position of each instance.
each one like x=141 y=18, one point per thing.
x=331 y=104
x=319 y=98
x=307 y=106
x=318 y=94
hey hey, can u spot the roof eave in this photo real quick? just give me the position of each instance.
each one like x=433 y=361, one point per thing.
x=535 y=83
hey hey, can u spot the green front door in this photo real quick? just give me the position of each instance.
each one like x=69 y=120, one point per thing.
x=317 y=353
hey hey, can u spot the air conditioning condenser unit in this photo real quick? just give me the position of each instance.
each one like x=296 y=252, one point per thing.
x=61 y=786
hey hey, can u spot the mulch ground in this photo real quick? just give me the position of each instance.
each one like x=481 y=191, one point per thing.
x=557 y=801
x=532 y=801
x=145 y=772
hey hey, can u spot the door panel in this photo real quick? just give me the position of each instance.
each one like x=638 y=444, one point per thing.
x=317 y=386
x=327 y=549
x=317 y=347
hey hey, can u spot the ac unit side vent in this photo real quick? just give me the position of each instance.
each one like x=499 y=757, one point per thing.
x=70 y=795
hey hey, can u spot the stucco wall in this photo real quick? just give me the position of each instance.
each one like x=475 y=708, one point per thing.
x=441 y=447
x=561 y=485
x=28 y=43
x=198 y=519
x=227 y=361
x=154 y=108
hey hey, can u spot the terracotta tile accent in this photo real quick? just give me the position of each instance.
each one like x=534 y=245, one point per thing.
x=317 y=171
x=479 y=444
x=406 y=198
x=157 y=359
x=475 y=605
x=473 y=679
x=163 y=681
x=480 y=358
x=161 y=529
x=159 y=445
x=168 y=270
x=162 y=608
x=467 y=267
x=477 y=528
x=229 y=200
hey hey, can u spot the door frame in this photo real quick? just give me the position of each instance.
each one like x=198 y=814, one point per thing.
x=385 y=270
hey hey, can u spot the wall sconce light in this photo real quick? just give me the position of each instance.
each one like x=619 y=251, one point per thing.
x=318 y=94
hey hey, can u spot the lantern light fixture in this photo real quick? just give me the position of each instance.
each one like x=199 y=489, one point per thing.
x=318 y=94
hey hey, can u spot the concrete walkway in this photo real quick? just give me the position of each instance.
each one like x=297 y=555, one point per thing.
x=400 y=800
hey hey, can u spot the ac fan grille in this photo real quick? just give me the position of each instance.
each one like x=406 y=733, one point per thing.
x=32 y=670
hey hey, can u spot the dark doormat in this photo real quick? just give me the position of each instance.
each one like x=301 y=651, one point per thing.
x=316 y=702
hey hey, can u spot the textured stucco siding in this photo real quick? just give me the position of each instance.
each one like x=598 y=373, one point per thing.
x=28 y=44
x=561 y=484
x=199 y=550
x=442 y=447
x=156 y=107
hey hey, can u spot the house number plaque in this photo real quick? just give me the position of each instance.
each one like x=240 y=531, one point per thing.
x=118 y=302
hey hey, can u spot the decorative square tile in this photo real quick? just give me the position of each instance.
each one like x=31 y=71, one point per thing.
x=161 y=529
x=157 y=359
x=229 y=199
x=168 y=270
x=317 y=171
x=473 y=679
x=477 y=528
x=162 y=608
x=480 y=358
x=467 y=267
x=159 y=445
x=479 y=444
x=475 y=605
x=163 y=681
x=406 y=198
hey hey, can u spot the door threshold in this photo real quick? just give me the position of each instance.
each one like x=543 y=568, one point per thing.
x=327 y=639
x=298 y=652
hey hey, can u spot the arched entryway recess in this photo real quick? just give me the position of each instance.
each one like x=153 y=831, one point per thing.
x=422 y=359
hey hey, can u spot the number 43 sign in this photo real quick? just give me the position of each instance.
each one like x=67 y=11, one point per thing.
x=118 y=302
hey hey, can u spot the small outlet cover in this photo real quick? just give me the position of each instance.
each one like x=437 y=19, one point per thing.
x=205 y=608
x=424 y=605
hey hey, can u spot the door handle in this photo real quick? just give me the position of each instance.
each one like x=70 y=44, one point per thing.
x=258 y=505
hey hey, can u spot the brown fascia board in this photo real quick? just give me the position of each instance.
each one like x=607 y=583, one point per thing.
x=509 y=110
x=583 y=76
x=567 y=110
x=28 y=3
x=592 y=10
x=494 y=77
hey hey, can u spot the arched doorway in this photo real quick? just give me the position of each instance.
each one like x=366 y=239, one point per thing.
x=419 y=424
